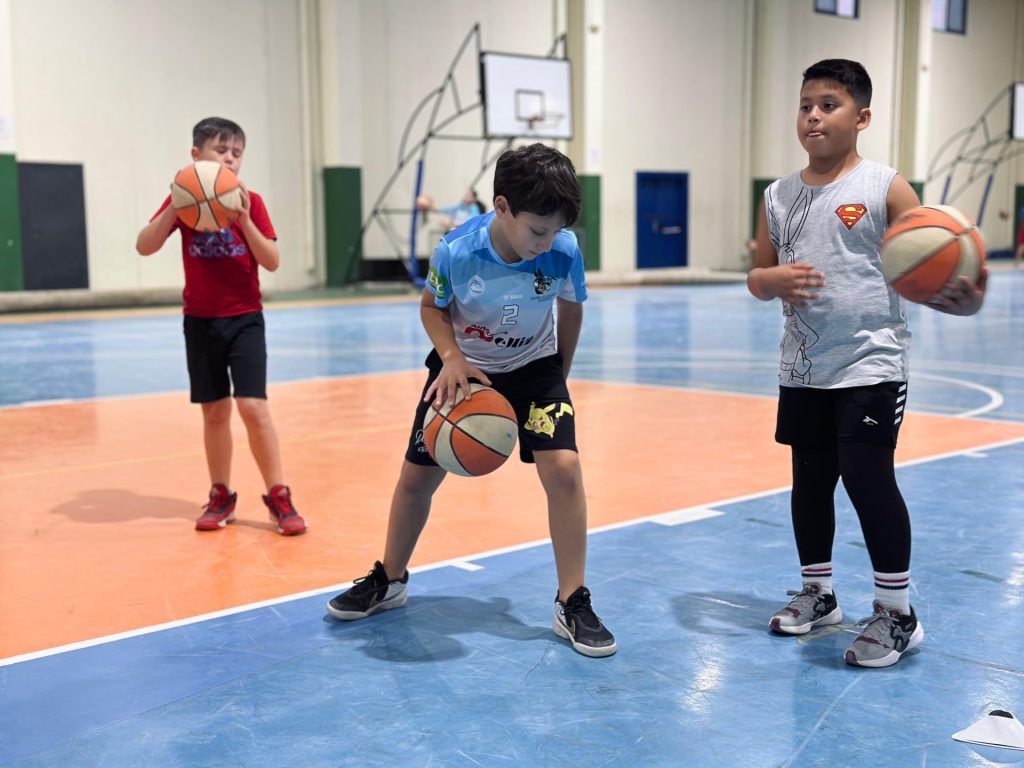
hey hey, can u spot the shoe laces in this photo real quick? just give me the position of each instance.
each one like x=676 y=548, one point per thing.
x=371 y=582
x=877 y=626
x=282 y=501
x=578 y=605
x=218 y=501
x=805 y=599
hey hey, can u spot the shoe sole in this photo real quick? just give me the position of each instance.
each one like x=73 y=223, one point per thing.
x=595 y=653
x=835 y=617
x=384 y=605
x=892 y=657
x=218 y=525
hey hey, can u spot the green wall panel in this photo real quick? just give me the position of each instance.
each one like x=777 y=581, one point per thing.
x=1018 y=218
x=757 y=188
x=11 y=275
x=343 y=218
x=588 y=227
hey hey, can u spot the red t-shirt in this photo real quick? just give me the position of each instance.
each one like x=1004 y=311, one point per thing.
x=221 y=274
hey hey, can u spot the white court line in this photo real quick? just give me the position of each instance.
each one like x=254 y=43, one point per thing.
x=681 y=516
x=467 y=566
x=995 y=397
x=459 y=562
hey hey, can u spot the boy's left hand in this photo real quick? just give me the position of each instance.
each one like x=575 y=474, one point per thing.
x=243 y=212
x=961 y=296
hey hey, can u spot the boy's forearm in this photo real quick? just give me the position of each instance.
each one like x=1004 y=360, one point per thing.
x=263 y=249
x=154 y=234
x=756 y=284
x=438 y=325
x=570 y=322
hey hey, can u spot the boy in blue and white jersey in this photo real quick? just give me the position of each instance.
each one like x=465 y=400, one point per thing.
x=501 y=312
x=503 y=306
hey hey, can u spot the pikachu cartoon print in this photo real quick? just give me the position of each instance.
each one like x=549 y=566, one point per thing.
x=542 y=421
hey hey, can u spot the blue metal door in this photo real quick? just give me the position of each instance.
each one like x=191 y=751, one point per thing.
x=662 y=207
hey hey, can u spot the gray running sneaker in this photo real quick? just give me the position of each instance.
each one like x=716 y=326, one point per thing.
x=887 y=635
x=809 y=608
x=370 y=594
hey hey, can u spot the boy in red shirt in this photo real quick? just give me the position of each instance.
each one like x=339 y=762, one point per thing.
x=224 y=331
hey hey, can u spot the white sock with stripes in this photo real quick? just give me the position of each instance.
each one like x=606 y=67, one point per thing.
x=893 y=590
x=818 y=573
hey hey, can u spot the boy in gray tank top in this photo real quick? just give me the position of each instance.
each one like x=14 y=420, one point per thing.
x=844 y=356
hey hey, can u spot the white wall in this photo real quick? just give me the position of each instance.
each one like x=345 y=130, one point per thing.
x=117 y=87
x=709 y=88
x=790 y=38
x=6 y=81
x=672 y=102
x=392 y=54
x=968 y=73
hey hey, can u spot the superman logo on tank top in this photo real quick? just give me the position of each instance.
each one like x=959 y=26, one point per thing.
x=851 y=213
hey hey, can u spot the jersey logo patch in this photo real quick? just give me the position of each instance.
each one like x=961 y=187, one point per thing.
x=540 y=282
x=851 y=213
x=438 y=282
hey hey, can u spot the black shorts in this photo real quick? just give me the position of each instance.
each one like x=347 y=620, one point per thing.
x=216 y=345
x=871 y=414
x=539 y=396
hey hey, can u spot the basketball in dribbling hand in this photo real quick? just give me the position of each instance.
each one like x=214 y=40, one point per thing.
x=206 y=196
x=929 y=246
x=472 y=437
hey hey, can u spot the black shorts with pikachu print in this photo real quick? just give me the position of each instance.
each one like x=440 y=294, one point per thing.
x=539 y=396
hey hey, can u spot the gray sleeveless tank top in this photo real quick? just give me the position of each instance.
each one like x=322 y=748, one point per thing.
x=855 y=332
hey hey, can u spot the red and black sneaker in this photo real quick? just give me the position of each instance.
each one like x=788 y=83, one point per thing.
x=279 y=502
x=219 y=511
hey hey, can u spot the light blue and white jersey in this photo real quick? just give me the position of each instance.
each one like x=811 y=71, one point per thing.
x=503 y=314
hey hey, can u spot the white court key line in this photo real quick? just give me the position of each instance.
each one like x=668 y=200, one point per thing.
x=995 y=397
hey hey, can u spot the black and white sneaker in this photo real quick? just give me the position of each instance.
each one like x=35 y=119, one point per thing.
x=370 y=594
x=576 y=621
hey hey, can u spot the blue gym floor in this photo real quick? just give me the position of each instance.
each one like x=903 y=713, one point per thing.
x=470 y=673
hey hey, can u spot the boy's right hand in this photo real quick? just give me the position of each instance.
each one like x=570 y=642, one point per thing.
x=795 y=284
x=453 y=375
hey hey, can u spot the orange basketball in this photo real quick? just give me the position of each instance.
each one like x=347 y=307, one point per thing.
x=929 y=246
x=206 y=196
x=472 y=437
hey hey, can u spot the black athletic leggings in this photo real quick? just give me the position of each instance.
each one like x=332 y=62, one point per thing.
x=870 y=481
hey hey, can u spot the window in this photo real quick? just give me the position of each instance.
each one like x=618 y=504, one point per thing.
x=949 y=16
x=844 y=8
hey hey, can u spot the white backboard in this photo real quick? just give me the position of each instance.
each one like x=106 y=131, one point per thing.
x=526 y=96
x=1017 y=112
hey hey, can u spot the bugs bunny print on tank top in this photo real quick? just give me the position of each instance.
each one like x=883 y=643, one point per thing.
x=798 y=336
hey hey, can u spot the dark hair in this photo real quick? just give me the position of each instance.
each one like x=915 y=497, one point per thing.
x=849 y=74
x=215 y=128
x=540 y=180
